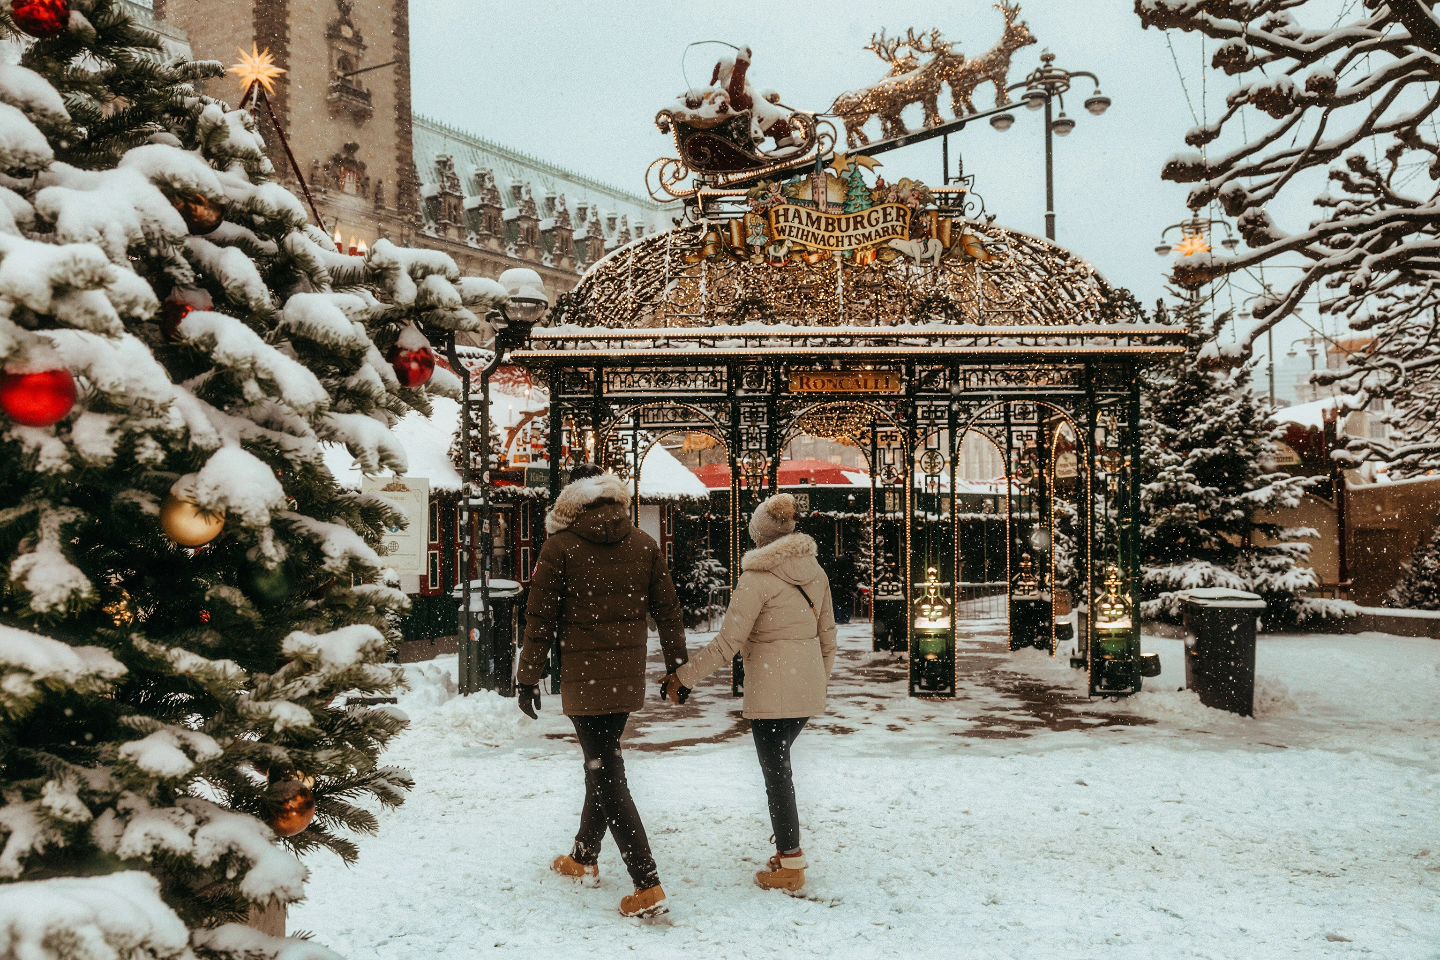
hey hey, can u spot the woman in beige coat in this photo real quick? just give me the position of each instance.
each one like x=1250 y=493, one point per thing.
x=782 y=623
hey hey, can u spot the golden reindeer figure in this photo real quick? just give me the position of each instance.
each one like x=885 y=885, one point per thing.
x=990 y=67
x=910 y=81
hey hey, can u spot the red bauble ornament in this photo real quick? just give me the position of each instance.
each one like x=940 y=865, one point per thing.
x=414 y=368
x=37 y=399
x=182 y=302
x=412 y=358
x=201 y=214
x=41 y=18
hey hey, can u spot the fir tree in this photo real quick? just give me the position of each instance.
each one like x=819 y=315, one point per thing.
x=857 y=194
x=696 y=572
x=1205 y=444
x=169 y=711
x=1419 y=585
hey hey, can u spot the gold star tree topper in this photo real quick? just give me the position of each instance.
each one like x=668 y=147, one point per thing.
x=257 y=66
x=844 y=161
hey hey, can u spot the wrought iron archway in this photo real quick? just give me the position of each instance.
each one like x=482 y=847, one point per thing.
x=664 y=336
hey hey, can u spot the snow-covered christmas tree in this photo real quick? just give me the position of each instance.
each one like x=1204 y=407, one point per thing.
x=1419 y=585
x=186 y=593
x=697 y=571
x=1205 y=447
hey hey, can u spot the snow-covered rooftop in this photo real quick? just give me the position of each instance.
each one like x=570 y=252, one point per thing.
x=1310 y=414
x=615 y=209
x=663 y=477
x=427 y=442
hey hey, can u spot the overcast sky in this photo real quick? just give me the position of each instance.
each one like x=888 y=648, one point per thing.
x=579 y=84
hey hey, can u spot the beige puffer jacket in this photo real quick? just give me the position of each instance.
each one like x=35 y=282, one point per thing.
x=788 y=647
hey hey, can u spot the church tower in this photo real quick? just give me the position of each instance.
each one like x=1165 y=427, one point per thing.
x=343 y=104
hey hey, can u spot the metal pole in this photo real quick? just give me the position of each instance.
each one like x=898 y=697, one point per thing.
x=1132 y=517
x=1270 y=350
x=485 y=646
x=1049 y=174
x=462 y=516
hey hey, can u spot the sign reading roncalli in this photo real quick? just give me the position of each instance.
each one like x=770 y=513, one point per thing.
x=818 y=230
x=858 y=381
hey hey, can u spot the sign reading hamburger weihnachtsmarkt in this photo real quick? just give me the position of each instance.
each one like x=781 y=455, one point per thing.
x=819 y=230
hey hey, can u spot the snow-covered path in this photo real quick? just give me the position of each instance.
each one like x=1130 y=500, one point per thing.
x=1016 y=821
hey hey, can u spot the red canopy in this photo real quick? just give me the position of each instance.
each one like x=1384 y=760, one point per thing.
x=793 y=473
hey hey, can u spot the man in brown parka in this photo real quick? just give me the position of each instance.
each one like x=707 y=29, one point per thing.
x=597 y=579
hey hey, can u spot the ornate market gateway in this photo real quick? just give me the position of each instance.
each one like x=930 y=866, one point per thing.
x=899 y=319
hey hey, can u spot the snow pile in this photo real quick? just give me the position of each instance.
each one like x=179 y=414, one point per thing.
x=480 y=720
x=446 y=721
x=430 y=684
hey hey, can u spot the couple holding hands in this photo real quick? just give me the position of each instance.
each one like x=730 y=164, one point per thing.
x=597 y=580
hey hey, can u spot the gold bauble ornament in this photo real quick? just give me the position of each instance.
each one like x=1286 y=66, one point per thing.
x=291 y=802
x=187 y=524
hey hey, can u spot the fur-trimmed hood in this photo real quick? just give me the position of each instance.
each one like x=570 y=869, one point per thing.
x=576 y=497
x=791 y=558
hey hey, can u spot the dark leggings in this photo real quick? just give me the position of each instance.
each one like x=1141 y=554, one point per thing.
x=608 y=802
x=773 y=740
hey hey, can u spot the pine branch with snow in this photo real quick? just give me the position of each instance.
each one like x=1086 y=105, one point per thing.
x=1350 y=95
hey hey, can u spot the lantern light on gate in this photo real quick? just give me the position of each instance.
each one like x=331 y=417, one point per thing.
x=526 y=300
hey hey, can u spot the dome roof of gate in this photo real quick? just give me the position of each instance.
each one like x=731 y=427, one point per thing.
x=672 y=280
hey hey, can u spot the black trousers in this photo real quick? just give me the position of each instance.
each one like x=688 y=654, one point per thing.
x=608 y=802
x=773 y=740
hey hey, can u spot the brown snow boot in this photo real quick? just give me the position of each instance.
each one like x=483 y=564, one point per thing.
x=785 y=871
x=645 y=904
x=568 y=866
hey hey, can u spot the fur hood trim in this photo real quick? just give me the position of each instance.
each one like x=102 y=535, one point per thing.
x=793 y=546
x=581 y=494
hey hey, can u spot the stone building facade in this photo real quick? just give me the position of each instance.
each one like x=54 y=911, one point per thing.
x=376 y=170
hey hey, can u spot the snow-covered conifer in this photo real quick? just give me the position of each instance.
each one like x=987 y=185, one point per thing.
x=1204 y=478
x=187 y=596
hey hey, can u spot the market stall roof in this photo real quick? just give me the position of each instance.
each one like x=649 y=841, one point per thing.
x=427 y=448
x=665 y=478
x=793 y=473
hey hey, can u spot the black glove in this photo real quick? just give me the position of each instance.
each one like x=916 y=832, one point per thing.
x=527 y=697
x=670 y=689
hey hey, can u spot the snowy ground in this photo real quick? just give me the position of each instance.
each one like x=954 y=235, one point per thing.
x=1017 y=821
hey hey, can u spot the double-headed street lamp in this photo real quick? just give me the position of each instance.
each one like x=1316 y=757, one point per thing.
x=1045 y=88
x=1195 y=237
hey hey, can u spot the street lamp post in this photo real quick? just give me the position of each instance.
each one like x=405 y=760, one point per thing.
x=525 y=305
x=1043 y=88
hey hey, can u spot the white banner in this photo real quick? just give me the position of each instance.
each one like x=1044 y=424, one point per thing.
x=409 y=497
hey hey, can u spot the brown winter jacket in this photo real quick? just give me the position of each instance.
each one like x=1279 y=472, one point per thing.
x=597 y=578
x=788 y=645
